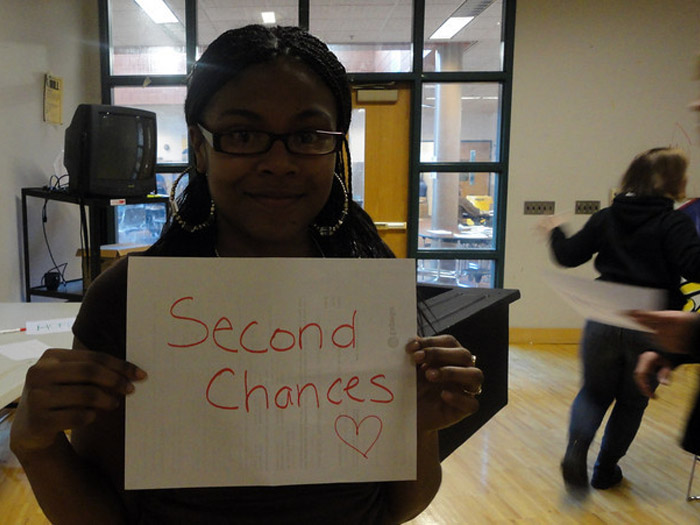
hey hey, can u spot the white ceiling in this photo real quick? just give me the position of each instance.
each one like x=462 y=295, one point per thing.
x=334 y=21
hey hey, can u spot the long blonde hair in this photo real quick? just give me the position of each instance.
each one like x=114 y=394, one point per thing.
x=657 y=172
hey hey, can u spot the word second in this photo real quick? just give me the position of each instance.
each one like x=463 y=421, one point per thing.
x=280 y=339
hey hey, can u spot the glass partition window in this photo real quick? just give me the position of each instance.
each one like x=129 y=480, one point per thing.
x=367 y=37
x=461 y=76
x=460 y=122
x=463 y=36
x=147 y=42
x=356 y=142
x=216 y=16
x=467 y=273
x=456 y=211
x=168 y=105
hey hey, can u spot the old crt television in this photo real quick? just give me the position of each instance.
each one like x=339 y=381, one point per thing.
x=110 y=151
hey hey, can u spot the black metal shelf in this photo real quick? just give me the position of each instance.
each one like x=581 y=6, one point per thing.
x=96 y=218
x=65 y=196
x=71 y=291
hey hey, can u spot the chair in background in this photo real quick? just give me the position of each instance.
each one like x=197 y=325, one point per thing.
x=688 y=496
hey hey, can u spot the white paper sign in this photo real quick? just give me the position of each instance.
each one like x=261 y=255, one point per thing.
x=605 y=301
x=270 y=371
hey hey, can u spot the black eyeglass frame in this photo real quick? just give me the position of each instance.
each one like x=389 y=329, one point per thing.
x=214 y=140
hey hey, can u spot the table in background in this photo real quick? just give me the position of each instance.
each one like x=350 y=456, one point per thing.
x=467 y=237
x=16 y=315
x=478 y=318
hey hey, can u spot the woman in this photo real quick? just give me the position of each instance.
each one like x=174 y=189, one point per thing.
x=640 y=240
x=267 y=112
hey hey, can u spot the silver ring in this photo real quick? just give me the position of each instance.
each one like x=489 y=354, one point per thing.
x=475 y=393
x=473 y=360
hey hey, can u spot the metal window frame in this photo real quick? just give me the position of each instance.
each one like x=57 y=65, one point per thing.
x=416 y=79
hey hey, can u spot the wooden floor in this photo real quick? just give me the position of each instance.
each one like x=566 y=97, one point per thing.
x=508 y=472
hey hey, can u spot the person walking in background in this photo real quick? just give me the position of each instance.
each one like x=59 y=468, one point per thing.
x=639 y=240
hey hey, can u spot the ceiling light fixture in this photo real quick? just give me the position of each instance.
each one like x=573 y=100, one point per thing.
x=451 y=27
x=158 y=11
x=268 y=17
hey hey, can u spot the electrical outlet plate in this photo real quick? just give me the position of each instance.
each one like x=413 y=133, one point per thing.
x=539 y=208
x=586 y=207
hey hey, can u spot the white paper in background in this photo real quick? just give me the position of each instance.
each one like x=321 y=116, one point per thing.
x=270 y=371
x=50 y=326
x=31 y=349
x=604 y=301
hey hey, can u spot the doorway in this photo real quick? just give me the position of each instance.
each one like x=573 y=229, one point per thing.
x=379 y=141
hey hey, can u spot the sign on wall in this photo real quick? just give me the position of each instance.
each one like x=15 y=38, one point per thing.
x=53 y=99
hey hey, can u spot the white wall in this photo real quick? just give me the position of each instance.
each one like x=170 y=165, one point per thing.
x=595 y=82
x=37 y=37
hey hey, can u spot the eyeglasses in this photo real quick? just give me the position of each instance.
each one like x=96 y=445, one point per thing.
x=253 y=142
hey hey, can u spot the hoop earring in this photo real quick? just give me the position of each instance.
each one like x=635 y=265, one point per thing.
x=174 y=209
x=327 y=231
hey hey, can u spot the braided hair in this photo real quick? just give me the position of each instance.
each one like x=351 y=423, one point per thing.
x=226 y=58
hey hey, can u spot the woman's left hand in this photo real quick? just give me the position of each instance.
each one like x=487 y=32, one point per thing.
x=448 y=381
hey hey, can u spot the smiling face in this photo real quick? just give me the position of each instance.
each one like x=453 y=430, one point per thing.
x=265 y=203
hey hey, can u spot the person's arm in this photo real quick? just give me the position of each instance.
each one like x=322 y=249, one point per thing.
x=447 y=382
x=71 y=390
x=579 y=248
x=407 y=499
x=676 y=331
x=652 y=369
x=543 y=227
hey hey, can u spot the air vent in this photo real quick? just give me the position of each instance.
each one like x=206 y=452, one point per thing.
x=472 y=8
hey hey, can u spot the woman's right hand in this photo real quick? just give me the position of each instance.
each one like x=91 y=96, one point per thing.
x=66 y=389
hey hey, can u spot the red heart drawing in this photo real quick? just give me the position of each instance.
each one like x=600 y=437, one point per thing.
x=353 y=433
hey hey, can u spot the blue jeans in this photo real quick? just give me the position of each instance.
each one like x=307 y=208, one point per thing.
x=609 y=357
